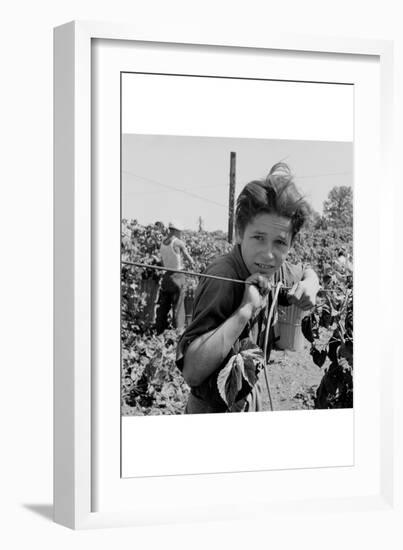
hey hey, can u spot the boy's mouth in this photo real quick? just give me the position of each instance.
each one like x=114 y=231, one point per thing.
x=265 y=267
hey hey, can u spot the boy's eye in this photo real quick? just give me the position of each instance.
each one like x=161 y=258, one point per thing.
x=258 y=237
x=281 y=242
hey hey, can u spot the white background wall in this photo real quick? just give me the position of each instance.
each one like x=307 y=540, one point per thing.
x=26 y=261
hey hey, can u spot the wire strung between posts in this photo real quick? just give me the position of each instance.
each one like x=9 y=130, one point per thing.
x=192 y=273
x=205 y=275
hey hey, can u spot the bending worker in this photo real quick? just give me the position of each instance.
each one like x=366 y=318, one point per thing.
x=172 y=291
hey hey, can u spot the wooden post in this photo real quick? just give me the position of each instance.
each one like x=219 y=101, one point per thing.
x=231 y=200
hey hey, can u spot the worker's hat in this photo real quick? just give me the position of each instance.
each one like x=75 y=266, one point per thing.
x=176 y=224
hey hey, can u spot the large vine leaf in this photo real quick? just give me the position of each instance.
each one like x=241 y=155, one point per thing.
x=253 y=361
x=249 y=350
x=229 y=381
x=243 y=366
x=318 y=355
x=250 y=371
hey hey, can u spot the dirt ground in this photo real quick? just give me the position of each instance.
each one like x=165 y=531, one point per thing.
x=293 y=379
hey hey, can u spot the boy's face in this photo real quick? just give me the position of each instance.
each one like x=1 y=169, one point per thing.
x=265 y=243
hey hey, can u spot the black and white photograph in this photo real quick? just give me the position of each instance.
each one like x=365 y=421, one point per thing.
x=236 y=274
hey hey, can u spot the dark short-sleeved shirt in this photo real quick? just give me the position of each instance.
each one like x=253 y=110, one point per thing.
x=215 y=301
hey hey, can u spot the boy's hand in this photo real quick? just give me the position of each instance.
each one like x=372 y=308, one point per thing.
x=255 y=294
x=303 y=294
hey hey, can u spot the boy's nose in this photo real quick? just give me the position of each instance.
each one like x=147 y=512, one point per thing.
x=269 y=254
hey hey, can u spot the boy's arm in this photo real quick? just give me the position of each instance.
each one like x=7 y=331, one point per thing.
x=206 y=353
x=303 y=294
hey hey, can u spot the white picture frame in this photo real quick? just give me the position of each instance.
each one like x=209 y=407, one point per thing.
x=77 y=473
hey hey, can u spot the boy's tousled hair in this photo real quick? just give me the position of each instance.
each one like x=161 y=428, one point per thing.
x=276 y=194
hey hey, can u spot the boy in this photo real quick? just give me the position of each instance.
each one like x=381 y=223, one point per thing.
x=269 y=215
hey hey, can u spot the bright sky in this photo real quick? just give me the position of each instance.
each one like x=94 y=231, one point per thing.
x=182 y=178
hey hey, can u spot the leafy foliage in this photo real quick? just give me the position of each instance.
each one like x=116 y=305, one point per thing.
x=243 y=366
x=329 y=328
x=205 y=246
x=151 y=382
x=229 y=381
x=138 y=244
